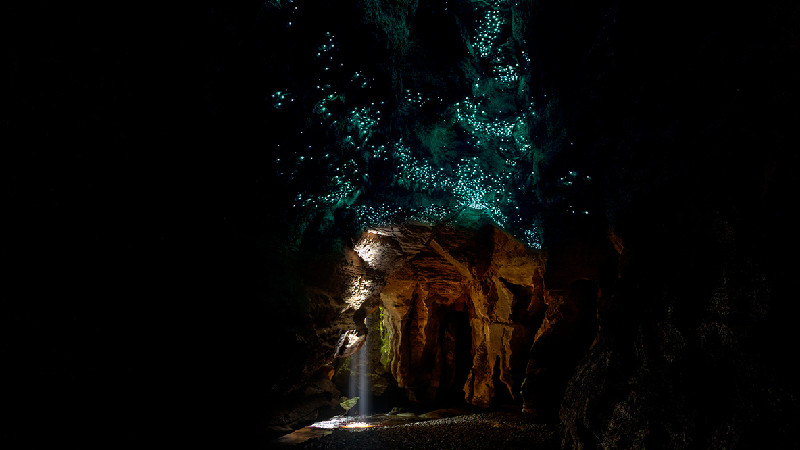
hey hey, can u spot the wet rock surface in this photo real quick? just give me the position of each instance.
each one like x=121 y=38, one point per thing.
x=472 y=431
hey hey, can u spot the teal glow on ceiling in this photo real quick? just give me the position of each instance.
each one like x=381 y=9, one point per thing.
x=423 y=153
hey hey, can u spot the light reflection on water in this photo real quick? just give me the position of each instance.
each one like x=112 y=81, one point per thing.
x=345 y=422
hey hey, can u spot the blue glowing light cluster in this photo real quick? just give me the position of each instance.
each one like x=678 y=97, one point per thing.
x=281 y=98
x=488 y=32
x=377 y=158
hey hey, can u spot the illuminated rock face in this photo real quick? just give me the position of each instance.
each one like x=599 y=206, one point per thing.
x=466 y=314
x=460 y=315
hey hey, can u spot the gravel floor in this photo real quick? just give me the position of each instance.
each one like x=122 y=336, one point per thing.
x=493 y=430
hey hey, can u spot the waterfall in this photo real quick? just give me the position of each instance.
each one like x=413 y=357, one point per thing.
x=363 y=383
x=359 y=384
x=353 y=382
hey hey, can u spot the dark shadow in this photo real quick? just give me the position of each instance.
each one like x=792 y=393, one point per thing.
x=455 y=338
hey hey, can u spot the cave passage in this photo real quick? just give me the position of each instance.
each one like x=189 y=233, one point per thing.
x=453 y=317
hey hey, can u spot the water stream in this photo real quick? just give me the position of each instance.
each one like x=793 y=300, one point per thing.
x=359 y=385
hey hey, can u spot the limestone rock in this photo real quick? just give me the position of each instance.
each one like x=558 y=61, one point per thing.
x=458 y=315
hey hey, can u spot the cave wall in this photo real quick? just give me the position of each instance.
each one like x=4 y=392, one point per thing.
x=461 y=314
x=468 y=315
x=682 y=108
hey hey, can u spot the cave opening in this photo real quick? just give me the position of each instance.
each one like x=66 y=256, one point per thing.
x=449 y=317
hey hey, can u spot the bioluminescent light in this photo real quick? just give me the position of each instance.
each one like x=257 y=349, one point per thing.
x=489 y=28
x=281 y=98
x=423 y=153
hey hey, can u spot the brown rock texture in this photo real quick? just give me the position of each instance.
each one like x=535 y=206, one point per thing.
x=465 y=316
x=459 y=315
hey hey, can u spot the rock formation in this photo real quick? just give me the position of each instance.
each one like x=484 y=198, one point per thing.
x=459 y=308
x=460 y=315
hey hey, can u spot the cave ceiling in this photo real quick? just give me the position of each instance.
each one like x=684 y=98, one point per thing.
x=421 y=111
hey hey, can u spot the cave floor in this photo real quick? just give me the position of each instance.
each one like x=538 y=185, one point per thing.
x=432 y=430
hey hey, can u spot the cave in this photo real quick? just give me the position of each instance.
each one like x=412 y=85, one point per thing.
x=402 y=224
x=452 y=312
x=457 y=318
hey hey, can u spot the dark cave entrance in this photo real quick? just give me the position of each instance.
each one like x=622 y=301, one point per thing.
x=455 y=339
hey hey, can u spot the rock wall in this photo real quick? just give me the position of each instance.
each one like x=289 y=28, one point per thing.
x=461 y=314
x=691 y=189
x=565 y=336
x=466 y=314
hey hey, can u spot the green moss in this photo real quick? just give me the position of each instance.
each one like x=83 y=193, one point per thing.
x=344 y=366
x=348 y=403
